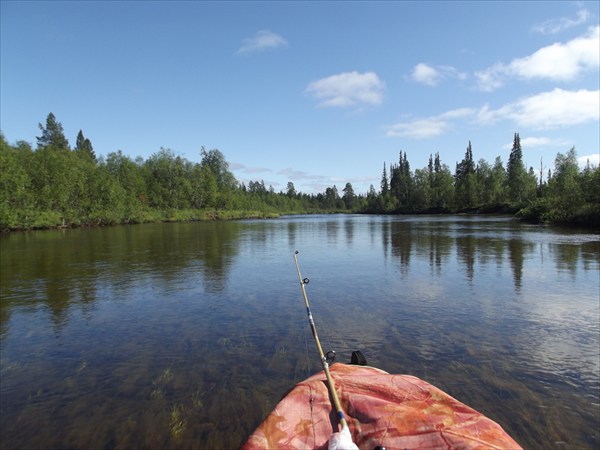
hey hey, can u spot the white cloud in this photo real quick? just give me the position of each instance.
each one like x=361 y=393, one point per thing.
x=348 y=89
x=554 y=26
x=594 y=160
x=531 y=142
x=297 y=175
x=556 y=62
x=308 y=182
x=261 y=41
x=432 y=76
x=541 y=142
x=418 y=128
x=428 y=127
x=490 y=79
x=422 y=73
x=242 y=168
x=457 y=113
x=548 y=110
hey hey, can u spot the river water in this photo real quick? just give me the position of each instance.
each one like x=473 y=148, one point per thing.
x=185 y=335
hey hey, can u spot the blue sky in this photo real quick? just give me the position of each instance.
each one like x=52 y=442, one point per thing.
x=317 y=93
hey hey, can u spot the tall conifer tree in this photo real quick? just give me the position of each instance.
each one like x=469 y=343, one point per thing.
x=515 y=171
x=83 y=146
x=52 y=134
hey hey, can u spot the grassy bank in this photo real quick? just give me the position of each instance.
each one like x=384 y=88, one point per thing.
x=44 y=220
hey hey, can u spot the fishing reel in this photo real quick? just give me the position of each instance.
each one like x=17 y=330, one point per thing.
x=330 y=356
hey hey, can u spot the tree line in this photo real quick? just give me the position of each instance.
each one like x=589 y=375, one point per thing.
x=59 y=185
x=567 y=195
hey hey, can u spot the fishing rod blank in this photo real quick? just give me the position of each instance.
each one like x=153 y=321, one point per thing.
x=324 y=362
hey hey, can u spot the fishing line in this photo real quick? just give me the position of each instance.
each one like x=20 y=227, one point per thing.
x=324 y=359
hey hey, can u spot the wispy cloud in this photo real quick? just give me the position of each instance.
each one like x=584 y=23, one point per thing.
x=593 y=159
x=261 y=41
x=348 y=89
x=298 y=175
x=547 y=110
x=556 y=62
x=554 y=26
x=433 y=75
x=428 y=127
x=242 y=168
x=533 y=141
x=424 y=73
x=553 y=109
x=318 y=183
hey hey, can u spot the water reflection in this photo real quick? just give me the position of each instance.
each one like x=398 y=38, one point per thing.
x=186 y=335
x=443 y=242
x=61 y=268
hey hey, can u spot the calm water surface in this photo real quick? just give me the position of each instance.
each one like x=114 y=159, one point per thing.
x=186 y=335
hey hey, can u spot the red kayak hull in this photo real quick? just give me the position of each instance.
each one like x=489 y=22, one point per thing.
x=393 y=411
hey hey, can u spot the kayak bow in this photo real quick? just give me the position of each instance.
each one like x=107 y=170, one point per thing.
x=393 y=411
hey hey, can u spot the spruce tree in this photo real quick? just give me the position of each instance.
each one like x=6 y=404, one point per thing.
x=384 y=182
x=516 y=173
x=83 y=147
x=52 y=134
x=465 y=180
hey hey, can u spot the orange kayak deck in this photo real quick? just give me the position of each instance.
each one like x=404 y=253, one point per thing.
x=393 y=411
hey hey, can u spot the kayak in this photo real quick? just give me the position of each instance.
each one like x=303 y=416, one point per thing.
x=382 y=411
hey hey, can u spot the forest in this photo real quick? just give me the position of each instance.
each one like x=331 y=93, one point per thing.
x=56 y=185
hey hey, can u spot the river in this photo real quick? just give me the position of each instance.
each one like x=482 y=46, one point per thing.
x=185 y=335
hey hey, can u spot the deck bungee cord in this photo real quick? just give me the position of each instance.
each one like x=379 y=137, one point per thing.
x=342 y=438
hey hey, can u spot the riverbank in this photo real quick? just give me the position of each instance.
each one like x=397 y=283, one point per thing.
x=47 y=220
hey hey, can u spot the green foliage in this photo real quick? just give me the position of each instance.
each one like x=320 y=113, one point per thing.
x=442 y=195
x=15 y=181
x=83 y=147
x=52 y=134
x=215 y=162
x=349 y=197
x=53 y=186
x=466 y=185
x=520 y=183
x=570 y=196
x=401 y=184
x=291 y=190
x=385 y=187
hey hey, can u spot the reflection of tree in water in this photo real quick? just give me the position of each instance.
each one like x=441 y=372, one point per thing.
x=401 y=240
x=332 y=228
x=292 y=230
x=566 y=257
x=515 y=256
x=65 y=268
x=429 y=241
x=439 y=248
x=434 y=241
x=385 y=238
x=349 y=229
x=215 y=245
x=590 y=254
x=465 y=248
x=516 y=249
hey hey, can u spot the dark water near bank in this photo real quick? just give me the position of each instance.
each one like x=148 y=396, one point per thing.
x=186 y=335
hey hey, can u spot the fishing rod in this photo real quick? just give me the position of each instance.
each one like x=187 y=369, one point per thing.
x=330 y=382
